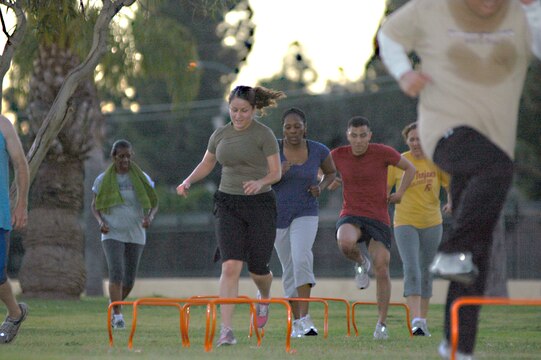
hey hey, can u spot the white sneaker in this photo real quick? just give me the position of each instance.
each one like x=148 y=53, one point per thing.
x=308 y=327
x=296 y=329
x=381 y=332
x=419 y=328
x=361 y=274
x=444 y=350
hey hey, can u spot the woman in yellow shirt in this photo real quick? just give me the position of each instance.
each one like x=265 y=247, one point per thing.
x=418 y=226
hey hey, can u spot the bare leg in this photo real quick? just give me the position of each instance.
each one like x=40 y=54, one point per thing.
x=7 y=297
x=425 y=303
x=380 y=258
x=303 y=291
x=263 y=283
x=414 y=303
x=229 y=288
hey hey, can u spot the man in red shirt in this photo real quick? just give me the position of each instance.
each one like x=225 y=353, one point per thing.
x=364 y=216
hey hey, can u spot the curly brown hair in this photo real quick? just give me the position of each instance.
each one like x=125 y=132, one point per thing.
x=259 y=96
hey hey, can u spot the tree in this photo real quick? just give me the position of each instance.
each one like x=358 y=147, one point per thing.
x=63 y=102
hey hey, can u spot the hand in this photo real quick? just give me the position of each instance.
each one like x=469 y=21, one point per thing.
x=413 y=82
x=104 y=228
x=336 y=183
x=315 y=190
x=252 y=187
x=447 y=208
x=394 y=198
x=19 y=217
x=147 y=220
x=183 y=188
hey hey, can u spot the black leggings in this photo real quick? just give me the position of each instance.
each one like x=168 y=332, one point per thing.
x=122 y=261
x=481 y=175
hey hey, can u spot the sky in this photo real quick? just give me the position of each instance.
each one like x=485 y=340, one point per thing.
x=334 y=34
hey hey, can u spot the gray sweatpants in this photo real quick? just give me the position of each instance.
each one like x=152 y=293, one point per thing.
x=294 y=248
x=417 y=248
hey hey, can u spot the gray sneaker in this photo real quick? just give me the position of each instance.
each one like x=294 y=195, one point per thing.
x=361 y=274
x=419 y=328
x=10 y=327
x=381 y=332
x=308 y=327
x=226 y=337
x=117 y=322
x=456 y=266
x=444 y=350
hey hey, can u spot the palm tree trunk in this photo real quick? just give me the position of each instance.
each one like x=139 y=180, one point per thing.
x=53 y=265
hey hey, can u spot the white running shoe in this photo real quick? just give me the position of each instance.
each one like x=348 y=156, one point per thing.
x=308 y=327
x=361 y=274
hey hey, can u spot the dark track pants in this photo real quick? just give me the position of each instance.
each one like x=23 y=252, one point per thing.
x=481 y=175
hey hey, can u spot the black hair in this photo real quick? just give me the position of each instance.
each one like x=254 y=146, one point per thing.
x=358 y=121
x=295 y=111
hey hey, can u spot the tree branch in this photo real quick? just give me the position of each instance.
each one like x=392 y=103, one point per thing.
x=56 y=117
x=14 y=40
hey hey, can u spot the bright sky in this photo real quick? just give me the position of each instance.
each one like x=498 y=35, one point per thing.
x=334 y=34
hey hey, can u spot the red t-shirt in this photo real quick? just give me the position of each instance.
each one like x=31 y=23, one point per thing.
x=364 y=180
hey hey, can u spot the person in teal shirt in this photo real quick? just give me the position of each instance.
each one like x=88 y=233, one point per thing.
x=11 y=149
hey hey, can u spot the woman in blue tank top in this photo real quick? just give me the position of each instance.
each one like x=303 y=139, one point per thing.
x=297 y=207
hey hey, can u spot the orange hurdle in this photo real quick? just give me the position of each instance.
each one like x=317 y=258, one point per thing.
x=473 y=300
x=405 y=306
x=348 y=306
x=183 y=317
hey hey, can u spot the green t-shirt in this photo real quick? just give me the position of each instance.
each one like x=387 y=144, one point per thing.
x=242 y=154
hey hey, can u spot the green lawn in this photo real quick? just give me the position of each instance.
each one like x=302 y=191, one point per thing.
x=77 y=330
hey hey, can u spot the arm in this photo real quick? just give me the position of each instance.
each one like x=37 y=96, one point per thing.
x=149 y=217
x=15 y=150
x=104 y=227
x=407 y=178
x=329 y=174
x=273 y=176
x=533 y=15
x=200 y=172
x=448 y=207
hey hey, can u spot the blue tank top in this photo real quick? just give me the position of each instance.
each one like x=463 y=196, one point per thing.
x=292 y=197
x=5 y=215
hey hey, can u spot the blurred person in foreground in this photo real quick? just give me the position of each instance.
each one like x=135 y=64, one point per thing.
x=245 y=204
x=365 y=217
x=474 y=57
x=418 y=226
x=124 y=204
x=16 y=218
x=298 y=212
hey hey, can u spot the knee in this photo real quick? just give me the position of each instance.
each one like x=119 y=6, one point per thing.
x=229 y=270
x=381 y=267
x=346 y=244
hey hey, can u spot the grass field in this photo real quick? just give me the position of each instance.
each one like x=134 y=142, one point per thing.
x=77 y=330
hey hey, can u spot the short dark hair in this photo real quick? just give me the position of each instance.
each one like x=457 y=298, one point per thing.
x=407 y=130
x=358 y=121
